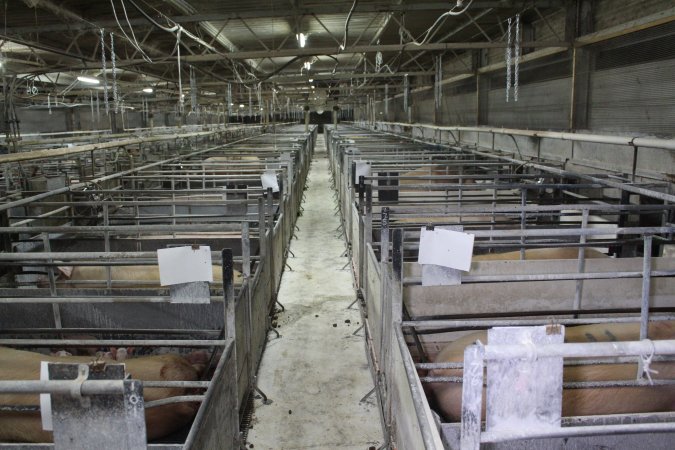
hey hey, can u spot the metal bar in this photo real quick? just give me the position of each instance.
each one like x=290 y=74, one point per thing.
x=566 y=432
x=173 y=400
x=477 y=323
x=112 y=342
x=408 y=281
x=581 y=350
x=88 y=387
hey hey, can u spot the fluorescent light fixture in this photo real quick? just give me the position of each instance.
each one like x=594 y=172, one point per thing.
x=302 y=39
x=241 y=106
x=313 y=87
x=148 y=90
x=311 y=80
x=88 y=80
x=307 y=65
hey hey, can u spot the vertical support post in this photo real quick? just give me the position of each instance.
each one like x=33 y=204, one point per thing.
x=56 y=309
x=262 y=225
x=582 y=261
x=246 y=274
x=580 y=22
x=523 y=221
x=228 y=292
x=646 y=286
x=230 y=332
x=106 y=245
x=306 y=119
x=472 y=398
x=385 y=319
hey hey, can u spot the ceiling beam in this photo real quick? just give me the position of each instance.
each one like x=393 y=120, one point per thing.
x=308 y=51
x=263 y=13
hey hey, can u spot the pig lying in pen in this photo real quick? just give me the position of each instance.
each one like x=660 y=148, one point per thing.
x=577 y=402
x=18 y=426
x=129 y=277
x=542 y=253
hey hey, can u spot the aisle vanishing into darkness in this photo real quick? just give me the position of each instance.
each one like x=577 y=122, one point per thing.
x=317 y=372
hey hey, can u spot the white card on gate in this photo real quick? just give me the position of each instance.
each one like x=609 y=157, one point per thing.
x=269 y=180
x=45 y=400
x=362 y=169
x=179 y=265
x=446 y=248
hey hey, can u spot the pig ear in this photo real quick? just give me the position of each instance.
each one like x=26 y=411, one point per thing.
x=66 y=271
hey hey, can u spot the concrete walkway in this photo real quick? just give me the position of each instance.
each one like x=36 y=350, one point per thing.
x=317 y=372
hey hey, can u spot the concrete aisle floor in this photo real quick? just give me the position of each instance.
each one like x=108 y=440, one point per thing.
x=317 y=372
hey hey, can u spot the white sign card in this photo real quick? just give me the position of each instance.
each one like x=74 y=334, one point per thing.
x=45 y=400
x=179 y=265
x=269 y=180
x=446 y=248
x=362 y=169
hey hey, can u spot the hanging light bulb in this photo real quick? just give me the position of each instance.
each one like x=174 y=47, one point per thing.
x=302 y=39
x=88 y=80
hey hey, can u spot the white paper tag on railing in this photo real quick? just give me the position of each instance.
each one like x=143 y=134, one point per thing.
x=45 y=400
x=179 y=265
x=362 y=169
x=269 y=180
x=446 y=248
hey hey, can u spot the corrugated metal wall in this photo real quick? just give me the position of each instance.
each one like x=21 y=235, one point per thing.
x=541 y=105
x=634 y=98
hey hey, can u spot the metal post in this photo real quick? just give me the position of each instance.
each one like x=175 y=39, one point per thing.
x=472 y=398
x=582 y=262
x=646 y=285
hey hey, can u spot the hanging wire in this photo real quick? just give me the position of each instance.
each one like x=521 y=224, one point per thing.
x=508 y=61
x=132 y=40
x=452 y=12
x=516 y=70
x=349 y=16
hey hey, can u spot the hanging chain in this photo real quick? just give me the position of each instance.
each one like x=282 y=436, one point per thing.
x=105 y=73
x=406 y=92
x=250 y=104
x=516 y=60
x=193 y=90
x=229 y=100
x=91 y=105
x=508 y=61
x=116 y=98
x=438 y=87
x=181 y=103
